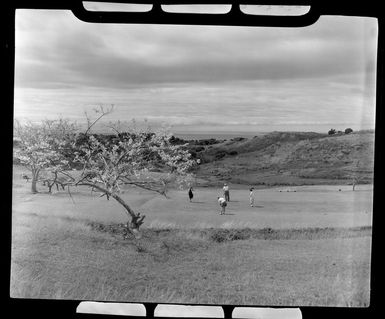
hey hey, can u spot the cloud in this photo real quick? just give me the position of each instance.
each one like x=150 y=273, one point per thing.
x=312 y=103
x=197 y=76
x=64 y=51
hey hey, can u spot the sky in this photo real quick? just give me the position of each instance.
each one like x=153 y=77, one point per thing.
x=198 y=78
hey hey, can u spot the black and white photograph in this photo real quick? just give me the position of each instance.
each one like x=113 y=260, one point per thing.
x=193 y=164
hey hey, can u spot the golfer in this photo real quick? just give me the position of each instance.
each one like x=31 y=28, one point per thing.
x=222 y=203
x=251 y=197
x=190 y=194
x=226 y=192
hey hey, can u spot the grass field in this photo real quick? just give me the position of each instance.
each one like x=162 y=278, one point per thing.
x=300 y=246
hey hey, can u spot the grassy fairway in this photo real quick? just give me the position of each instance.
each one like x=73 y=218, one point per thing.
x=284 y=207
x=309 y=255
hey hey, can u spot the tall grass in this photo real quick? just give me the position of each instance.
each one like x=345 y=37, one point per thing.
x=233 y=231
x=67 y=259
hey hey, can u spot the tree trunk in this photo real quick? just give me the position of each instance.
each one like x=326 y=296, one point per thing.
x=33 y=187
x=35 y=176
x=136 y=219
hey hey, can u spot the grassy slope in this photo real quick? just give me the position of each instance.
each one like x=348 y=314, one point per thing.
x=61 y=258
x=281 y=158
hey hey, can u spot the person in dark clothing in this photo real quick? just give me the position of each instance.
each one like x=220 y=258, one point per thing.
x=190 y=194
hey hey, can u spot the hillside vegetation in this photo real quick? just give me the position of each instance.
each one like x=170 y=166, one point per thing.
x=276 y=158
x=288 y=158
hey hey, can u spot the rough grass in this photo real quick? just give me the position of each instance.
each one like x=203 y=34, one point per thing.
x=68 y=259
x=291 y=158
x=230 y=234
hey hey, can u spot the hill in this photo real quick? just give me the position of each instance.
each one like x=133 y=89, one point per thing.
x=288 y=158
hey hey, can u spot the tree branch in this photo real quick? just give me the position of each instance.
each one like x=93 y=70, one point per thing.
x=103 y=113
x=68 y=175
x=130 y=212
x=146 y=186
x=69 y=192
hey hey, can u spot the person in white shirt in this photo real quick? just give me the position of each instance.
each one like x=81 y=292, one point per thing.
x=222 y=203
x=226 y=192
x=251 y=197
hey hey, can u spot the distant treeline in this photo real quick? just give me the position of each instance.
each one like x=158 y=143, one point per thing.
x=114 y=138
x=205 y=142
x=193 y=146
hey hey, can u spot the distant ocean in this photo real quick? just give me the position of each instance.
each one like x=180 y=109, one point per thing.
x=216 y=135
x=189 y=134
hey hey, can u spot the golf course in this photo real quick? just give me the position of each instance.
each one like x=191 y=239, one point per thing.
x=208 y=162
x=298 y=245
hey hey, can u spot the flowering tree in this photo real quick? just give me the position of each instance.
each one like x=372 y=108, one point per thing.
x=146 y=160
x=138 y=157
x=42 y=147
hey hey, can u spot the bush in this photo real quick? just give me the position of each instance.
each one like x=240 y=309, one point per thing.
x=348 y=130
x=332 y=131
x=220 y=154
x=210 y=141
x=198 y=148
x=224 y=235
x=238 y=139
x=193 y=154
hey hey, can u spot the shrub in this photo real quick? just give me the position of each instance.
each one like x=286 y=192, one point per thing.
x=193 y=154
x=348 y=130
x=220 y=154
x=332 y=131
x=224 y=235
x=140 y=248
x=238 y=139
x=218 y=236
x=197 y=148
